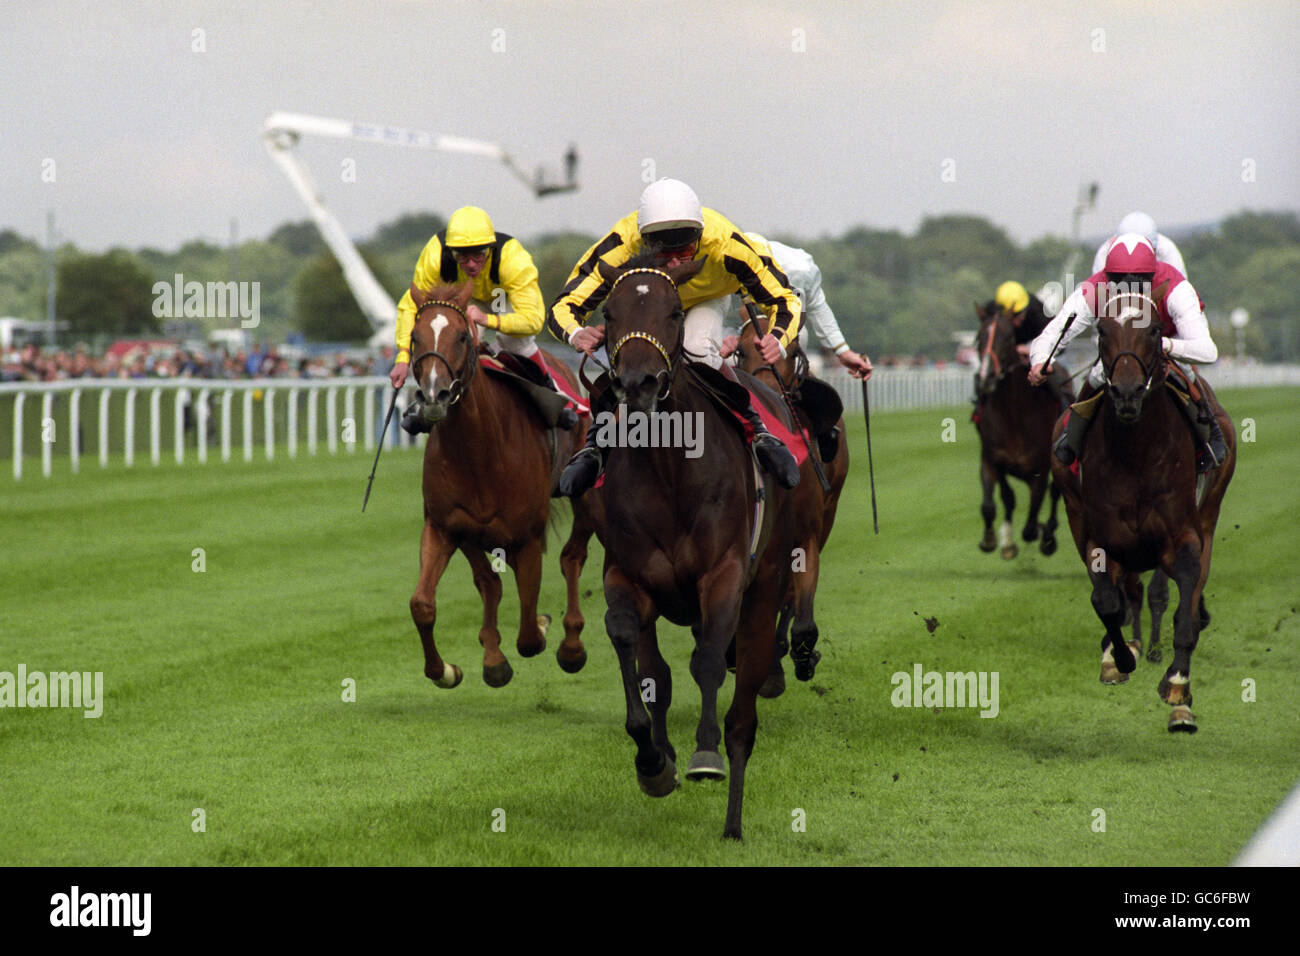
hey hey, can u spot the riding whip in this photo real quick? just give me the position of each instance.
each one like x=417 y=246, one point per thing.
x=871 y=465
x=382 y=436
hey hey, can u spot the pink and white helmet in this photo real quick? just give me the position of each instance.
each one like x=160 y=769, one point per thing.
x=1130 y=253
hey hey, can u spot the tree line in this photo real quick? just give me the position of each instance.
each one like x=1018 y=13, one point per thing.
x=893 y=293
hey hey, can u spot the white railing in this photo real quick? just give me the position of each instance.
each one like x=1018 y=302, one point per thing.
x=190 y=409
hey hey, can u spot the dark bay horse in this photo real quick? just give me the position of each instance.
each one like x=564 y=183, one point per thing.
x=1014 y=421
x=681 y=541
x=814 y=515
x=1134 y=506
x=487 y=484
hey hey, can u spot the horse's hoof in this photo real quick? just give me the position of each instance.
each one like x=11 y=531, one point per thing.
x=988 y=544
x=1047 y=546
x=571 y=665
x=706 y=765
x=774 y=686
x=498 y=675
x=1010 y=551
x=1178 y=695
x=662 y=783
x=532 y=650
x=1154 y=655
x=1181 y=719
x=451 y=676
x=1110 y=674
x=805 y=668
x=1135 y=648
x=1030 y=533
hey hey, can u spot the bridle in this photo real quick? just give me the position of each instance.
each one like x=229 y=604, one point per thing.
x=1148 y=373
x=988 y=352
x=459 y=382
x=664 y=376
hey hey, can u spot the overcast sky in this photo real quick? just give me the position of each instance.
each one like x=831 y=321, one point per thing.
x=797 y=118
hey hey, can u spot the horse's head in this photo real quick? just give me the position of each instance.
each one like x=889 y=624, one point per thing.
x=1128 y=344
x=644 y=328
x=997 y=344
x=444 y=343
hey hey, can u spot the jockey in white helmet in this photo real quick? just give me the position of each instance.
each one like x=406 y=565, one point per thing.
x=1143 y=225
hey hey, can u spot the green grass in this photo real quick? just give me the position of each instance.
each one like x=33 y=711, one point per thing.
x=223 y=688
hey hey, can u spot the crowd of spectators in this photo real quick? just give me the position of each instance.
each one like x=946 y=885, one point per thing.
x=32 y=364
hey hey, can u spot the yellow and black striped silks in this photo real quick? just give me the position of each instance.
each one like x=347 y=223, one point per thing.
x=732 y=264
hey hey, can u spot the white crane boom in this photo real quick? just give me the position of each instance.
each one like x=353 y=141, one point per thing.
x=281 y=132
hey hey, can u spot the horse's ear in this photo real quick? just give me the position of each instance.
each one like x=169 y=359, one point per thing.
x=686 y=271
x=608 y=272
x=463 y=294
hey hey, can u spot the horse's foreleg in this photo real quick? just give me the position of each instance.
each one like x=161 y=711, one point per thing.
x=719 y=596
x=496 y=669
x=1175 y=687
x=1117 y=660
x=1133 y=610
x=656 y=687
x=1158 y=602
x=629 y=611
x=755 y=638
x=527 y=565
x=988 y=478
x=1037 y=488
x=571 y=654
x=1006 y=541
x=1048 y=545
x=436 y=550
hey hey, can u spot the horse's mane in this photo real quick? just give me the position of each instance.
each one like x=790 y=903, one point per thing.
x=642 y=260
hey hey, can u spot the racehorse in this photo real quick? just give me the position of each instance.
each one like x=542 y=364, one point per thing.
x=1134 y=506
x=1014 y=421
x=682 y=540
x=814 y=510
x=487 y=483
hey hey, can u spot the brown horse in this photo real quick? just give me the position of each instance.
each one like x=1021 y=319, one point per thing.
x=681 y=540
x=814 y=515
x=487 y=483
x=1014 y=421
x=1134 y=505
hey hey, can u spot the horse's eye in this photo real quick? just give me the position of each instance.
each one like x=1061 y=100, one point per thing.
x=464 y=337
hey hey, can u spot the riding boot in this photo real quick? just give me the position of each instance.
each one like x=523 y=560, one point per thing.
x=586 y=467
x=772 y=454
x=536 y=367
x=1069 y=447
x=413 y=422
x=828 y=443
x=1214 y=448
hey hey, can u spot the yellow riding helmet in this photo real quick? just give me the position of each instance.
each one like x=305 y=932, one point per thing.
x=469 y=227
x=1011 y=297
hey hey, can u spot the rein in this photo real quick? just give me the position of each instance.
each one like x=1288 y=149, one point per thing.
x=459 y=384
x=988 y=353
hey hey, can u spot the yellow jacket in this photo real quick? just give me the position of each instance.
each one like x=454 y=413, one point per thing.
x=731 y=264
x=516 y=276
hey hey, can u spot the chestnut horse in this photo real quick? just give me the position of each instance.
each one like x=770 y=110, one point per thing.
x=487 y=484
x=681 y=541
x=814 y=511
x=1014 y=421
x=1134 y=506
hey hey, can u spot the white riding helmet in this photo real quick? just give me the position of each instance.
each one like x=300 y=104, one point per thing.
x=668 y=204
x=1140 y=223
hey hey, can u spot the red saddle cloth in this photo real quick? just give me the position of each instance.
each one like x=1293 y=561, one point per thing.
x=774 y=425
x=505 y=361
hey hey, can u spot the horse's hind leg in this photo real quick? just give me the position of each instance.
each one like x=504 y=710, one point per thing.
x=774 y=686
x=436 y=550
x=803 y=632
x=1048 y=545
x=988 y=478
x=496 y=669
x=571 y=654
x=527 y=565
x=1005 y=538
x=719 y=593
x=1158 y=602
